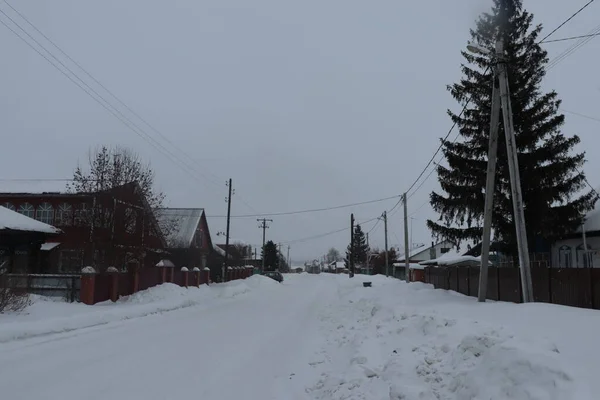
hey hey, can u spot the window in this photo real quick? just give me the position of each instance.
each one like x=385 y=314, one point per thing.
x=45 y=213
x=584 y=259
x=130 y=220
x=82 y=215
x=10 y=206
x=70 y=261
x=444 y=250
x=564 y=257
x=64 y=215
x=27 y=210
x=198 y=238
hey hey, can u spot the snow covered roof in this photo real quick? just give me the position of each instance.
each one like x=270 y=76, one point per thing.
x=219 y=250
x=183 y=221
x=592 y=219
x=449 y=260
x=29 y=186
x=13 y=221
x=49 y=246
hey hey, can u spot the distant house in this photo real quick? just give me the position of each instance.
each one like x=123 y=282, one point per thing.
x=21 y=242
x=425 y=252
x=570 y=252
x=188 y=239
x=110 y=228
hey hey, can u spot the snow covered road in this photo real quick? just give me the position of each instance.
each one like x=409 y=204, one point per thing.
x=313 y=337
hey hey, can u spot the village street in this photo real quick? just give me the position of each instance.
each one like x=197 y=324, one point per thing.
x=313 y=337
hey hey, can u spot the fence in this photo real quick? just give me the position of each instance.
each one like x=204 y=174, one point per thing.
x=576 y=287
x=63 y=286
x=96 y=288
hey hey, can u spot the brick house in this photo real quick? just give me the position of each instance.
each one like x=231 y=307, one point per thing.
x=111 y=228
x=188 y=239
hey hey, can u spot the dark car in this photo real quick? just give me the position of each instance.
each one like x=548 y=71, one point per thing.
x=276 y=275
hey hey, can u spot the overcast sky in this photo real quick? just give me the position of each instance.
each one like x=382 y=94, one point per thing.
x=305 y=104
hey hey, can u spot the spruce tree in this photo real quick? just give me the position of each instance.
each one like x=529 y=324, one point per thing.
x=551 y=181
x=361 y=248
x=271 y=256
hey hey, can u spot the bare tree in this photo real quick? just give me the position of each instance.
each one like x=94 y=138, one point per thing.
x=110 y=168
x=10 y=299
x=332 y=255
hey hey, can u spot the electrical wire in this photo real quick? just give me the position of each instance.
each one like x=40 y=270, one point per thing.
x=566 y=21
x=576 y=46
x=100 y=100
x=572 y=38
x=327 y=233
x=155 y=143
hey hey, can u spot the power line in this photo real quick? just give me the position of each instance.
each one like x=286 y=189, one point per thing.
x=581 y=115
x=569 y=51
x=572 y=38
x=164 y=137
x=98 y=98
x=566 y=21
x=327 y=233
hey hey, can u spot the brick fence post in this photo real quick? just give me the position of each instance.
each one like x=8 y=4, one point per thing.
x=134 y=269
x=88 y=285
x=163 y=274
x=114 y=283
x=206 y=275
x=196 y=272
x=229 y=274
x=186 y=276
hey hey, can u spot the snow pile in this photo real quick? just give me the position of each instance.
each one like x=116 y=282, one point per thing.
x=45 y=317
x=378 y=347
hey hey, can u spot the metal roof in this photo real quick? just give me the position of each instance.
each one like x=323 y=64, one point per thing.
x=182 y=222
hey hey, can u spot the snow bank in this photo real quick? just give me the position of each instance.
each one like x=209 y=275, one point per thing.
x=45 y=317
x=409 y=341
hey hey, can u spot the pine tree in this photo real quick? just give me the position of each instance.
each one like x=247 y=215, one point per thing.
x=550 y=178
x=271 y=256
x=361 y=248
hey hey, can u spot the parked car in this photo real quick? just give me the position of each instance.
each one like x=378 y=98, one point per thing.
x=276 y=275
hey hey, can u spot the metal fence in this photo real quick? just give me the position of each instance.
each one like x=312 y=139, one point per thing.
x=63 y=286
x=576 y=287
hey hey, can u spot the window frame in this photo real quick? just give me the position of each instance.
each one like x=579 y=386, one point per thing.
x=44 y=212
x=25 y=209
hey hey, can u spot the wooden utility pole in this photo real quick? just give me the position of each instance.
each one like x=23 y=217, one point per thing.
x=489 y=191
x=230 y=185
x=289 y=260
x=387 y=265
x=264 y=227
x=351 y=274
x=406 y=249
x=515 y=179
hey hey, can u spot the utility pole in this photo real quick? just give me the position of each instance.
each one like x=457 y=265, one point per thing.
x=387 y=265
x=515 y=178
x=406 y=249
x=230 y=185
x=264 y=227
x=289 y=261
x=490 y=187
x=351 y=274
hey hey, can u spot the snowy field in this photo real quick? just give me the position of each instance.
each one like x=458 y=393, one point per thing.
x=312 y=337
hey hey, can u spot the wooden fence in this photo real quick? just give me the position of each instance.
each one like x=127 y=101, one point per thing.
x=576 y=287
x=51 y=285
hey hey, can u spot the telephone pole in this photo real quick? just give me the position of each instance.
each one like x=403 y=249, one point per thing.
x=489 y=191
x=264 y=227
x=406 y=249
x=230 y=185
x=515 y=179
x=387 y=265
x=351 y=274
x=289 y=260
